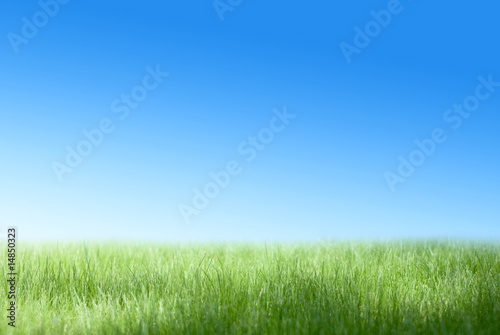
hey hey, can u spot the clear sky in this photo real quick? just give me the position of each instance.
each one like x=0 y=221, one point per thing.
x=117 y=119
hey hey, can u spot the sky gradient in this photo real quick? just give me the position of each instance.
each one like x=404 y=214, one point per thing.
x=322 y=173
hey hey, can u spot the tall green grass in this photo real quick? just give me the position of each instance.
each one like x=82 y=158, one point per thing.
x=324 y=288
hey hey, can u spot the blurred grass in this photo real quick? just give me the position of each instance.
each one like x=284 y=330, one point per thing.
x=322 y=288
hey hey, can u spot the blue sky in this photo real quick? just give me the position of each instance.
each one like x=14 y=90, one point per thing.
x=69 y=67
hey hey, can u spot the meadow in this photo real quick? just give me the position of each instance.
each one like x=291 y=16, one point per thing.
x=403 y=287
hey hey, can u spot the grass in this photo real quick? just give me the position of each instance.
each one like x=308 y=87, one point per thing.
x=324 y=288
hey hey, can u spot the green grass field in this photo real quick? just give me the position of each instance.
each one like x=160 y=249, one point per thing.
x=323 y=288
